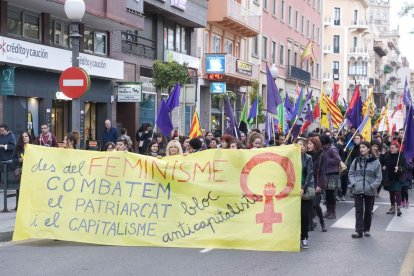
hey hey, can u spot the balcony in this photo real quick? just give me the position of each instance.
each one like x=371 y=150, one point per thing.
x=362 y=80
x=328 y=21
x=237 y=71
x=380 y=49
x=327 y=77
x=298 y=74
x=137 y=46
x=232 y=16
x=358 y=52
x=327 y=49
x=359 y=25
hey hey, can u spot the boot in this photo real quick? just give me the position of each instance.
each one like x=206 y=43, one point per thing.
x=328 y=211
x=391 y=211
x=323 y=226
x=331 y=214
x=399 y=212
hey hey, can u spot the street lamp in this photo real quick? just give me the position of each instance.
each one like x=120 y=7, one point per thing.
x=274 y=71
x=75 y=9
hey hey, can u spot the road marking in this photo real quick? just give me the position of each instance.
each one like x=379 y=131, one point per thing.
x=205 y=250
x=74 y=82
x=407 y=268
x=404 y=223
x=348 y=220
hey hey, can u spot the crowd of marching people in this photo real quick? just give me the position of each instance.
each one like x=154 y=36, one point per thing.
x=333 y=164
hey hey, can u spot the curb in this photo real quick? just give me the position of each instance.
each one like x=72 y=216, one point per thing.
x=407 y=268
x=6 y=236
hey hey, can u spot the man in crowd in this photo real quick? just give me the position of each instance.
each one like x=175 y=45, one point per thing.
x=7 y=143
x=46 y=138
x=110 y=133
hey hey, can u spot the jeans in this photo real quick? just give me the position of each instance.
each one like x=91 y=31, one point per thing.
x=363 y=217
x=395 y=197
x=306 y=205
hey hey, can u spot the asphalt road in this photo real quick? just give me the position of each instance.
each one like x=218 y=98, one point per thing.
x=331 y=253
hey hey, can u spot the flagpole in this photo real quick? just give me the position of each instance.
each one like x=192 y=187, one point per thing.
x=257 y=109
x=290 y=130
x=273 y=129
x=350 y=140
x=339 y=131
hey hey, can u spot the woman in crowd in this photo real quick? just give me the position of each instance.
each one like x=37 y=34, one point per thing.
x=393 y=173
x=365 y=177
x=332 y=173
x=185 y=142
x=174 y=148
x=70 y=141
x=153 y=149
x=308 y=183
x=315 y=150
x=225 y=141
x=256 y=141
x=213 y=143
x=236 y=144
x=121 y=145
x=110 y=146
x=162 y=143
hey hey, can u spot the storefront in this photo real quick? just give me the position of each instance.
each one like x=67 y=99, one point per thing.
x=35 y=97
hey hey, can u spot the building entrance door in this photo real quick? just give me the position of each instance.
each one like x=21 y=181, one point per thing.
x=60 y=119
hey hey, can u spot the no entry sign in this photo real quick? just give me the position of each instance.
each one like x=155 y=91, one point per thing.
x=74 y=82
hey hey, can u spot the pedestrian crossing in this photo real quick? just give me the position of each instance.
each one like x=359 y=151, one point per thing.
x=404 y=223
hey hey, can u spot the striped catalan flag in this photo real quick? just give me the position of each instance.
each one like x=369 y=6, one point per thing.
x=333 y=109
x=195 y=129
x=369 y=102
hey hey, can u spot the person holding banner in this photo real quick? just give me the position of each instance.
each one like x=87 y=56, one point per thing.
x=315 y=150
x=307 y=192
x=173 y=148
x=365 y=176
x=393 y=169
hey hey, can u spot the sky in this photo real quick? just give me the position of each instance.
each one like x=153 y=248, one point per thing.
x=405 y=26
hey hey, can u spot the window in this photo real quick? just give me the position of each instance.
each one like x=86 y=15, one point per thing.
x=101 y=42
x=337 y=16
x=288 y=56
x=308 y=29
x=303 y=24
x=281 y=54
x=228 y=47
x=282 y=11
x=335 y=70
x=358 y=68
x=255 y=46
x=59 y=33
x=237 y=51
x=206 y=42
x=296 y=20
x=23 y=24
x=264 y=48
x=317 y=70
x=317 y=36
x=265 y=4
x=88 y=40
x=290 y=16
x=273 y=52
x=295 y=61
x=216 y=44
x=355 y=42
x=177 y=38
x=336 y=44
x=355 y=17
x=274 y=7
x=169 y=38
x=313 y=31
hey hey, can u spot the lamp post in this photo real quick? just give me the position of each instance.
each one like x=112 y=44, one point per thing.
x=274 y=71
x=75 y=9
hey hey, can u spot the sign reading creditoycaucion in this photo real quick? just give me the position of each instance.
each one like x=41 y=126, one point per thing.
x=121 y=198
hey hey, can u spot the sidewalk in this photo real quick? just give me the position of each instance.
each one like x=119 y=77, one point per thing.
x=7 y=219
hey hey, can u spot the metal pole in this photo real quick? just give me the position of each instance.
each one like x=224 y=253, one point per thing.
x=76 y=103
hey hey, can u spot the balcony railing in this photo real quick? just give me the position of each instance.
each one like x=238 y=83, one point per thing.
x=328 y=21
x=358 y=51
x=138 y=46
x=327 y=49
x=232 y=15
x=359 y=24
x=326 y=77
x=299 y=74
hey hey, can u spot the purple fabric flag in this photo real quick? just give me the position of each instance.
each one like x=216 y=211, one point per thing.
x=355 y=115
x=230 y=121
x=302 y=116
x=268 y=129
x=253 y=110
x=407 y=100
x=409 y=134
x=163 y=120
x=345 y=104
x=174 y=98
x=288 y=108
x=273 y=96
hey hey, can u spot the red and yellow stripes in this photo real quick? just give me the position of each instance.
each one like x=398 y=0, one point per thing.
x=334 y=110
x=195 y=129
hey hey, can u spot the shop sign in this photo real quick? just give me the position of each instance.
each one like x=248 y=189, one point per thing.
x=244 y=67
x=215 y=63
x=180 y=4
x=217 y=87
x=7 y=80
x=130 y=92
x=41 y=56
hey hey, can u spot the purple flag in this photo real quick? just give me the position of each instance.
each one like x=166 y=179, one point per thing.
x=230 y=121
x=409 y=134
x=163 y=120
x=355 y=115
x=298 y=104
x=288 y=108
x=174 y=98
x=407 y=100
x=302 y=116
x=253 y=110
x=273 y=96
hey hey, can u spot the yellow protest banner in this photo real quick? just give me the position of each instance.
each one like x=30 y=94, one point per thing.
x=242 y=199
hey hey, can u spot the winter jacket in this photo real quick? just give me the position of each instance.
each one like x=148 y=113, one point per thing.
x=9 y=141
x=307 y=172
x=332 y=159
x=319 y=168
x=365 y=175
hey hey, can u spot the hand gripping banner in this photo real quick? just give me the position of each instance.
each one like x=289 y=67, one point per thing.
x=235 y=199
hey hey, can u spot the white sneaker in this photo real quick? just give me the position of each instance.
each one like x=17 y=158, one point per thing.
x=304 y=244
